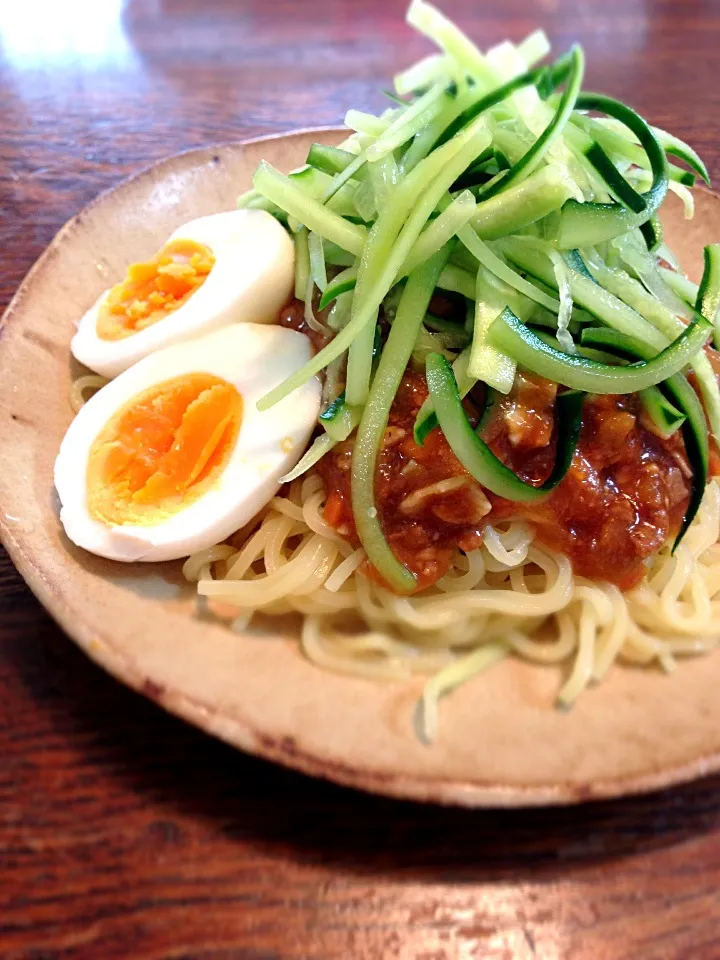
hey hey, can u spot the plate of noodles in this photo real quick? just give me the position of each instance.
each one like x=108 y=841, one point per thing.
x=389 y=453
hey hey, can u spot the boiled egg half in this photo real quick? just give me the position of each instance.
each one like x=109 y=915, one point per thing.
x=172 y=456
x=226 y=268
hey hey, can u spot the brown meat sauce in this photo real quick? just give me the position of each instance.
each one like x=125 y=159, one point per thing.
x=623 y=497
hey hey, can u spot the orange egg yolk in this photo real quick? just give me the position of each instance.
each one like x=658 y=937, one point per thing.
x=163 y=450
x=153 y=290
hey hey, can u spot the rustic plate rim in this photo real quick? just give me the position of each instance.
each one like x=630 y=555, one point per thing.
x=241 y=733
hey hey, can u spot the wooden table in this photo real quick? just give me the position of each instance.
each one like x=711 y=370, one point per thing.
x=123 y=833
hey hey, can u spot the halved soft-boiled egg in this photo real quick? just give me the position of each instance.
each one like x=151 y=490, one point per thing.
x=226 y=268
x=173 y=455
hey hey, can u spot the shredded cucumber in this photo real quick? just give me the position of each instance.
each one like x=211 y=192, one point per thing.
x=422 y=74
x=534 y=47
x=459 y=48
x=580 y=373
x=486 y=362
x=439 y=231
x=683 y=287
x=317 y=261
x=281 y=190
x=317 y=450
x=537 y=221
x=426 y=420
x=302 y=263
x=456 y=280
x=413 y=304
x=495 y=265
x=708 y=296
x=411 y=121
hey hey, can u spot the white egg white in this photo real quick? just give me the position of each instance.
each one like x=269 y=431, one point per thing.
x=249 y=282
x=255 y=358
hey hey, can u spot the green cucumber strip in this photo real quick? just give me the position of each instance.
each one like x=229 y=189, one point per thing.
x=333 y=160
x=632 y=293
x=586 y=293
x=393 y=361
x=664 y=414
x=552 y=132
x=317 y=261
x=391 y=136
x=483 y=103
x=468 y=178
x=388 y=244
x=335 y=256
x=671 y=144
x=475 y=455
x=359 y=365
x=677 y=388
x=574 y=260
x=341 y=283
x=302 y=263
x=675 y=147
x=428 y=342
x=511 y=335
x=429 y=21
x=541 y=194
x=492 y=400
x=686 y=196
x=314 y=183
x=642 y=177
x=662 y=319
x=683 y=287
x=364 y=201
x=639 y=262
x=495 y=265
x=426 y=421
x=501 y=161
x=351 y=171
x=366 y=123
x=411 y=121
x=486 y=362
x=652 y=232
x=562 y=285
x=316 y=451
x=387 y=249
x=437 y=233
x=457 y=280
x=619 y=187
x=423 y=141
x=384 y=175
x=316 y=217
x=589 y=352
x=422 y=74
x=534 y=47
x=339 y=419
x=586 y=224
x=340 y=314
x=708 y=295
x=615 y=143
x=520 y=305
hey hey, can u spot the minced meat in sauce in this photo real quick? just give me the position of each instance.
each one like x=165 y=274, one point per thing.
x=623 y=497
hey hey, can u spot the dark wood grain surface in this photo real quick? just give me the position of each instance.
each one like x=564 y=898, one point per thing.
x=126 y=834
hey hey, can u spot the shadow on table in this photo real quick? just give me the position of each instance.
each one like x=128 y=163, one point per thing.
x=184 y=773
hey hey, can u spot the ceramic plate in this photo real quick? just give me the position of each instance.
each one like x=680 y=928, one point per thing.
x=501 y=741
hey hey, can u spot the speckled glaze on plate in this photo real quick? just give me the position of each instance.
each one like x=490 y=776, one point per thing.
x=501 y=742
